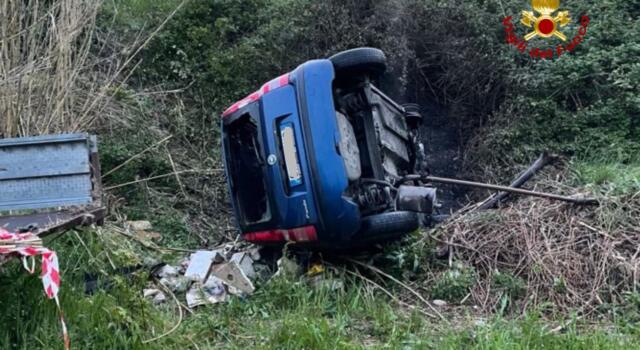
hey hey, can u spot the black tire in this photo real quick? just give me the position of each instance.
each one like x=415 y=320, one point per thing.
x=387 y=226
x=358 y=62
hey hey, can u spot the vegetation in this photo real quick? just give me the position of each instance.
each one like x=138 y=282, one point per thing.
x=283 y=314
x=151 y=78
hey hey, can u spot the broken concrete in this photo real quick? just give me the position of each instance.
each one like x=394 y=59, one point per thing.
x=245 y=262
x=231 y=274
x=200 y=264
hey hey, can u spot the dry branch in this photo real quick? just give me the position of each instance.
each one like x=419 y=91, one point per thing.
x=574 y=257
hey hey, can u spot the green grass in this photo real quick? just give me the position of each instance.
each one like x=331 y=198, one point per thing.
x=610 y=176
x=282 y=314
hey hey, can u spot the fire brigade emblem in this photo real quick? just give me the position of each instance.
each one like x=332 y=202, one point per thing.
x=545 y=25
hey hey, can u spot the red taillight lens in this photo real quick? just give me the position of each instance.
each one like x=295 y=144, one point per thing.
x=300 y=234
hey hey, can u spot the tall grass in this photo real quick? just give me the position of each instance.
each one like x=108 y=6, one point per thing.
x=48 y=81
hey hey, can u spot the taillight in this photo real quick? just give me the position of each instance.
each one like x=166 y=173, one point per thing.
x=276 y=83
x=300 y=234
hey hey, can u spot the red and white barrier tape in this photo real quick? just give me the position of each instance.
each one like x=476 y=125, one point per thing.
x=50 y=268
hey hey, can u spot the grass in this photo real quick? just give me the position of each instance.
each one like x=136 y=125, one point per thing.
x=282 y=314
x=610 y=176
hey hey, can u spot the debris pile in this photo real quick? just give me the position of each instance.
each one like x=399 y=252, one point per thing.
x=209 y=276
x=574 y=256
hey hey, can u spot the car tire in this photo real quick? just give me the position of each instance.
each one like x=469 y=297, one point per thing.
x=359 y=61
x=387 y=226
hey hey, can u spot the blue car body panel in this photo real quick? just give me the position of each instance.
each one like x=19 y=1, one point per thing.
x=305 y=104
x=294 y=205
x=313 y=81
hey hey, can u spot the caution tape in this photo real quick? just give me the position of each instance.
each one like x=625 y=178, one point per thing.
x=28 y=246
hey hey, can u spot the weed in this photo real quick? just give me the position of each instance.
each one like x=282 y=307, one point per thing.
x=610 y=177
x=513 y=286
x=282 y=314
x=454 y=284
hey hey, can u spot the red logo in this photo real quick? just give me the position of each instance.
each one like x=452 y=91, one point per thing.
x=545 y=26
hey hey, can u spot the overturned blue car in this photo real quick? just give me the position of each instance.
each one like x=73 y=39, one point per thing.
x=320 y=156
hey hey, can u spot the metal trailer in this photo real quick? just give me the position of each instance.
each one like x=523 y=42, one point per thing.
x=50 y=182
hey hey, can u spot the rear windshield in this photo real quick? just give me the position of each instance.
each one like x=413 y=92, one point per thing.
x=245 y=162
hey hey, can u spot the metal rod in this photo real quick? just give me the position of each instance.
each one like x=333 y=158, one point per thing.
x=584 y=201
x=540 y=163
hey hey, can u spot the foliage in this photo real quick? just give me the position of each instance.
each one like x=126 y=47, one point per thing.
x=585 y=103
x=49 y=81
x=453 y=284
x=608 y=176
x=505 y=108
x=282 y=314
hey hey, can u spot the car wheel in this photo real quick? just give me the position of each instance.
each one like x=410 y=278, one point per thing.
x=360 y=61
x=387 y=226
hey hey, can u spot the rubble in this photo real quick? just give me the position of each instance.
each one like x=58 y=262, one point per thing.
x=177 y=284
x=200 y=264
x=287 y=268
x=210 y=276
x=172 y=279
x=167 y=271
x=156 y=295
x=231 y=274
x=211 y=292
x=245 y=262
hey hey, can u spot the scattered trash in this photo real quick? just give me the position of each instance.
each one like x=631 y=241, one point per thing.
x=156 y=295
x=150 y=292
x=177 y=284
x=231 y=274
x=167 y=271
x=287 y=268
x=254 y=253
x=212 y=292
x=328 y=283
x=245 y=262
x=200 y=264
x=315 y=269
x=320 y=277
x=171 y=278
x=210 y=276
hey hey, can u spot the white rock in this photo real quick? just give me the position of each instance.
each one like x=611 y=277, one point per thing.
x=140 y=225
x=439 y=303
x=200 y=264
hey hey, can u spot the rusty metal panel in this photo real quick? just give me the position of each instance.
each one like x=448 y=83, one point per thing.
x=45 y=172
